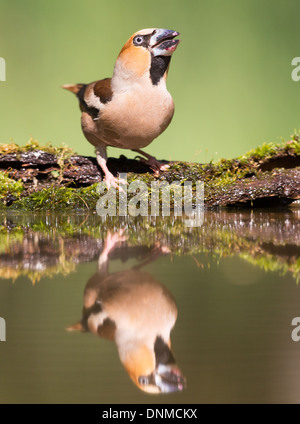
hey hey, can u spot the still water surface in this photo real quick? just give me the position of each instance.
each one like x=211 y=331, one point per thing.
x=228 y=289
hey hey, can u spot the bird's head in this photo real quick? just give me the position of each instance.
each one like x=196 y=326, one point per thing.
x=154 y=370
x=146 y=54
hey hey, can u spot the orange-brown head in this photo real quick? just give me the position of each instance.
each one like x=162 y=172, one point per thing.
x=146 y=53
x=153 y=370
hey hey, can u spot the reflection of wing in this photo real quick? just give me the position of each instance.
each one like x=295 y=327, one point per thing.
x=139 y=313
x=130 y=298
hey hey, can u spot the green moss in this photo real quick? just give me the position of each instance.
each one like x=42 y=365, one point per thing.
x=219 y=177
x=266 y=150
x=220 y=236
x=60 y=151
x=59 y=198
x=269 y=150
x=15 y=236
x=9 y=187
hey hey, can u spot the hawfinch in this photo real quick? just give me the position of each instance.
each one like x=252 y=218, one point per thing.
x=136 y=311
x=133 y=107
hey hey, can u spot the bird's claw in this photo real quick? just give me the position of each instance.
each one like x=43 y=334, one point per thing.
x=113 y=238
x=154 y=164
x=112 y=181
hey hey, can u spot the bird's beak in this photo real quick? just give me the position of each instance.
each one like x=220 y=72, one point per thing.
x=162 y=42
x=169 y=378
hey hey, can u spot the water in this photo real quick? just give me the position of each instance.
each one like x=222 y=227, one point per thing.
x=230 y=289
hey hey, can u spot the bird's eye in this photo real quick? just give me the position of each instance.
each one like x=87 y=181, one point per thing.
x=143 y=380
x=138 y=40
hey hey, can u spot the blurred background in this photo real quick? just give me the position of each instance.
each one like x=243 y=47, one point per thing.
x=230 y=77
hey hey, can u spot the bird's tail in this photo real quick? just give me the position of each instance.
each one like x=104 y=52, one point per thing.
x=74 y=88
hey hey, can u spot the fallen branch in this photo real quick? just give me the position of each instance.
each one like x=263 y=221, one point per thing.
x=266 y=177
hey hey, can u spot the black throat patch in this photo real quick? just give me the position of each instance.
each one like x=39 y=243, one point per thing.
x=159 y=65
x=163 y=354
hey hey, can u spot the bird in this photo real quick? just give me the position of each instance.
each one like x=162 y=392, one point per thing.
x=137 y=312
x=133 y=107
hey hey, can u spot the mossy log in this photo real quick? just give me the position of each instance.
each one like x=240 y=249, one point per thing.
x=45 y=244
x=266 y=177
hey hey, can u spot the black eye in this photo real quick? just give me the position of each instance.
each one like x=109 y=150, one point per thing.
x=143 y=380
x=138 y=40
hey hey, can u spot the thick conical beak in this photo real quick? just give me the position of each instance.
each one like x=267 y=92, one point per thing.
x=162 y=42
x=169 y=378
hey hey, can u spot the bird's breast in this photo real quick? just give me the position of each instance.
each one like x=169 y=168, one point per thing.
x=134 y=119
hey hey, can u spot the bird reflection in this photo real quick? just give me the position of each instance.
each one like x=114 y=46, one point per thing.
x=136 y=311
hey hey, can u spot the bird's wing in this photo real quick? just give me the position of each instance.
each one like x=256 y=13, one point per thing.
x=92 y=96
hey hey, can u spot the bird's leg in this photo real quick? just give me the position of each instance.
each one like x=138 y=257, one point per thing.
x=152 y=162
x=91 y=291
x=155 y=253
x=110 y=179
x=112 y=239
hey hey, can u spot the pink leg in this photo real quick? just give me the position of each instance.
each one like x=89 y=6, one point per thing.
x=152 y=162
x=112 y=239
x=110 y=179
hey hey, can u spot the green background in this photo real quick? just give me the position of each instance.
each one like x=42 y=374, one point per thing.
x=230 y=77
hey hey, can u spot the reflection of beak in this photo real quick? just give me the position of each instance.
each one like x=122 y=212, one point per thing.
x=162 y=42
x=169 y=378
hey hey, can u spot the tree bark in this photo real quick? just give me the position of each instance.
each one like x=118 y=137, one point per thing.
x=268 y=181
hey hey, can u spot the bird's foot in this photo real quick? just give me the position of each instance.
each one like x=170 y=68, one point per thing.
x=112 y=181
x=112 y=239
x=164 y=249
x=154 y=164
